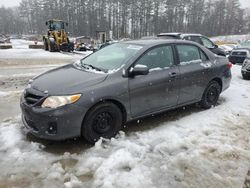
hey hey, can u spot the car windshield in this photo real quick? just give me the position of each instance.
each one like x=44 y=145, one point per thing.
x=245 y=44
x=110 y=58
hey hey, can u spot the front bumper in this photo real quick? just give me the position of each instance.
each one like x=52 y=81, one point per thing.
x=53 y=124
x=245 y=72
x=236 y=59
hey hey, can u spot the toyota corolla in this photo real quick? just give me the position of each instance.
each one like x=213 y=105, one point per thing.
x=95 y=96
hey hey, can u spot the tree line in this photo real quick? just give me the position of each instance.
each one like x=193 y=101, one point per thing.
x=128 y=18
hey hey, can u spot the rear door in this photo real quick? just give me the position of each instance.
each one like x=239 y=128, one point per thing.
x=194 y=69
x=160 y=88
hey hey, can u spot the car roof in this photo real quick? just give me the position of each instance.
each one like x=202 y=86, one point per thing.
x=179 y=34
x=154 y=42
x=169 y=34
x=147 y=44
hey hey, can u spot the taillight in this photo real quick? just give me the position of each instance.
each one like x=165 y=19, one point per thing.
x=229 y=65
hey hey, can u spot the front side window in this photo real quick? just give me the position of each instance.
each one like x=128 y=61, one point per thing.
x=207 y=43
x=188 y=54
x=158 y=58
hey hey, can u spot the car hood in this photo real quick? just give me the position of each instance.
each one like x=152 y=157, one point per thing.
x=66 y=80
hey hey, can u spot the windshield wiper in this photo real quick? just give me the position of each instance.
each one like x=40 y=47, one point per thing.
x=92 y=67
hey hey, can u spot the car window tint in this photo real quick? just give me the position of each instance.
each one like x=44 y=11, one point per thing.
x=207 y=43
x=188 y=54
x=194 y=39
x=203 y=56
x=157 y=58
x=168 y=36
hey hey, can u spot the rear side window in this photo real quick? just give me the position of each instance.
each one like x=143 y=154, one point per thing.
x=188 y=54
x=194 y=39
x=157 y=58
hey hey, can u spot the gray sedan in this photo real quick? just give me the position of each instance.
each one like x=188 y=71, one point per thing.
x=125 y=81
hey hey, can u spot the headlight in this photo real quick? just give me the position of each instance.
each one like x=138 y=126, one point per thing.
x=57 y=101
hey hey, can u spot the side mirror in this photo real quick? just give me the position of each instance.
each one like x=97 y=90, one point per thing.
x=46 y=23
x=216 y=46
x=138 y=70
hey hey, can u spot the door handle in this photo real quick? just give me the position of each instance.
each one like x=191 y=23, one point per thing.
x=172 y=74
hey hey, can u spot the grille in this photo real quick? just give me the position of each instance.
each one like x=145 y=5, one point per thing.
x=240 y=53
x=234 y=59
x=31 y=124
x=32 y=98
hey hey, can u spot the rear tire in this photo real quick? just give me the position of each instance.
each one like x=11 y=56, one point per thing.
x=103 y=120
x=211 y=95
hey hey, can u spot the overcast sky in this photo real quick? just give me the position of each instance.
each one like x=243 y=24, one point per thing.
x=11 y=3
x=245 y=3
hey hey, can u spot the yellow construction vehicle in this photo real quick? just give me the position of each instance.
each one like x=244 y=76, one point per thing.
x=57 y=39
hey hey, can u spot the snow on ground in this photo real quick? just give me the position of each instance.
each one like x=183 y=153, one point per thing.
x=232 y=38
x=23 y=44
x=188 y=147
x=20 y=50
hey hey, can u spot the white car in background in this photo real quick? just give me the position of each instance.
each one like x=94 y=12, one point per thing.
x=227 y=47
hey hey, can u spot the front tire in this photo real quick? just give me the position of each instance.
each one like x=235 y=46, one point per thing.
x=102 y=121
x=51 y=47
x=211 y=95
x=46 y=48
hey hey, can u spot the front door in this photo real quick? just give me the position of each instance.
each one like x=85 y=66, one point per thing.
x=160 y=88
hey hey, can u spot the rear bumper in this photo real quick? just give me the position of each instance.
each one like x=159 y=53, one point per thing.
x=226 y=80
x=53 y=124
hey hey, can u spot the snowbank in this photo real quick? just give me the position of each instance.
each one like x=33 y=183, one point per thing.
x=232 y=38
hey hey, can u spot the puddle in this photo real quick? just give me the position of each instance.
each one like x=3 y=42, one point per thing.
x=67 y=164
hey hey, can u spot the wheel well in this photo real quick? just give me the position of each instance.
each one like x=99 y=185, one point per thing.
x=219 y=81
x=121 y=107
x=115 y=102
